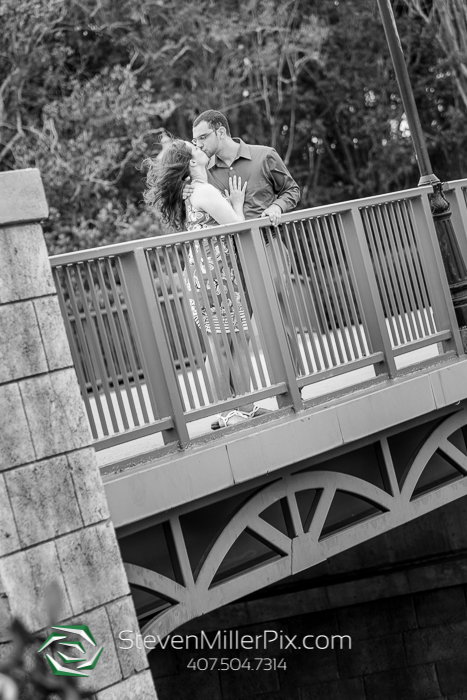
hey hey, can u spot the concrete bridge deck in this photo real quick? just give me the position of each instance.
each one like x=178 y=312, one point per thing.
x=140 y=488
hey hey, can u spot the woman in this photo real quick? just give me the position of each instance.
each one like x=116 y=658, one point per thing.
x=209 y=276
x=207 y=206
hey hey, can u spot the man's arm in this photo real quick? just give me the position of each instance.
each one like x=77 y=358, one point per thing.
x=285 y=188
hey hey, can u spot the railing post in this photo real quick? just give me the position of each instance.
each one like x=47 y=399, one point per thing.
x=266 y=312
x=158 y=367
x=367 y=286
x=456 y=198
x=440 y=296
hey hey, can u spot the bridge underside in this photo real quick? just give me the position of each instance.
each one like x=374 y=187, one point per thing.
x=200 y=553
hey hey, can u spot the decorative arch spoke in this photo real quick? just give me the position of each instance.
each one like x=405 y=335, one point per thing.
x=293 y=519
x=270 y=536
x=317 y=517
x=154 y=582
x=452 y=453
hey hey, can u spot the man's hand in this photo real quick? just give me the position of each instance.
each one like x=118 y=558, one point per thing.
x=274 y=212
x=188 y=188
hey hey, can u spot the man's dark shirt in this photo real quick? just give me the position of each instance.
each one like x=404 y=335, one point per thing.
x=269 y=181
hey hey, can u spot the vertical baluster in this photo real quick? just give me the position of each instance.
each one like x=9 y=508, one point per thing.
x=410 y=276
x=242 y=315
x=216 y=389
x=381 y=271
x=162 y=383
x=395 y=256
x=337 y=321
x=172 y=329
x=367 y=290
x=344 y=319
x=298 y=291
x=127 y=339
x=315 y=292
x=266 y=311
x=95 y=348
x=75 y=353
x=339 y=335
x=319 y=255
x=182 y=324
x=289 y=301
x=192 y=328
x=349 y=283
x=84 y=345
x=105 y=345
x=232 y=243
x=309 y=302
x=419 y=275
x=130 y=336
x=220 y=338
x=239 y=377
x=282 y=285
x=386 y=253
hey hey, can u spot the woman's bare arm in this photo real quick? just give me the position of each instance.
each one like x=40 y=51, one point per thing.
x=207 y=198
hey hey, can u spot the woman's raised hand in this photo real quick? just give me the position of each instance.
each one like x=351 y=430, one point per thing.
x=236 y=193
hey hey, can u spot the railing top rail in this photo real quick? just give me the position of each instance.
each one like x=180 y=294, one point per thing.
x=172 y=238
x=453 y=183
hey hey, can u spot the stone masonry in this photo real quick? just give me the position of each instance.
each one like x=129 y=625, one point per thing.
x=54 y=522
x=401 y=597
x=409 y=647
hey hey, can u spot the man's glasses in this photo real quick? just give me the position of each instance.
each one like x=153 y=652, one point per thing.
x=202 y=138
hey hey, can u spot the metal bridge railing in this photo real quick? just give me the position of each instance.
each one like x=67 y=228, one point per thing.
x=456 y=194
x=167 y=330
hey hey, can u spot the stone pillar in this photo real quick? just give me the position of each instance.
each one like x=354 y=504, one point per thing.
x=54 y=522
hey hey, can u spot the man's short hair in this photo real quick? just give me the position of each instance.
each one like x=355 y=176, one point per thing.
x=214 y=118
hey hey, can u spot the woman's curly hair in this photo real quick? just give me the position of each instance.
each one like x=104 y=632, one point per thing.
x=165 y=181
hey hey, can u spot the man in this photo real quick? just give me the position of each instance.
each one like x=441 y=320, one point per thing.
x=270 y=191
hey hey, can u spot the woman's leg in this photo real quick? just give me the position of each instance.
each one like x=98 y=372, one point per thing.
x=217 y=367
x=233 y=355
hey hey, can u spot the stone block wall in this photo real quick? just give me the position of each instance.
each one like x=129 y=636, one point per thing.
x=55 y=531
x=409 y=647
x=401 y=597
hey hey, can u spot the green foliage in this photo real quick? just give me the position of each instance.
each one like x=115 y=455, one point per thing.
x=25 y=675
x=87 y=87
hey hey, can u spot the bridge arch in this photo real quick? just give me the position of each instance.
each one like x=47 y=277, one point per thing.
x=307 y=539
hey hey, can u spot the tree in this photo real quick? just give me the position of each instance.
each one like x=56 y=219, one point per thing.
x=450 y=19
x=87 y=87
x=81 y=115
